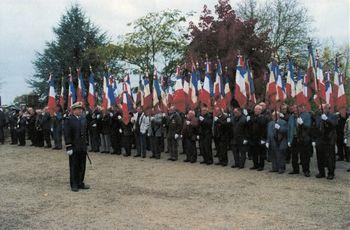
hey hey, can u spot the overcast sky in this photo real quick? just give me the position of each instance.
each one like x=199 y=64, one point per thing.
x=25 y=26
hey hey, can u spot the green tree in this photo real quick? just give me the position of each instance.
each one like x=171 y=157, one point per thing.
x=287 y=21
x=75 y=39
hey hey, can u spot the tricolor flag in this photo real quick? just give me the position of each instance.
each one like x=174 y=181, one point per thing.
x=252 y=98
x=240 y=86
x=320 y=94
x=140 y=94
x=281 y=93
x=341 y=97
x=306 y=92
x=299 y=94
x=156 y=89
x=72 y=97
x=105 y=93
x=179 y=99
x=61 y=99
x=311 y=70
x=193 y=89
x=328 y=90
x=206 y=91
x=147 y=99
x=91 y=95
x=227 y=91
x=336 y=82
x=290 y=82
x=81 y=88
x=218 y=82
x=110 y=91
x=271 y=90
x=164 y=101
x=126 y=107
x=51 y=102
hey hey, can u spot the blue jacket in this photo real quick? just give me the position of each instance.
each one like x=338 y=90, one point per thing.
x=302 y=132
x=277 y=139
x=75 y=133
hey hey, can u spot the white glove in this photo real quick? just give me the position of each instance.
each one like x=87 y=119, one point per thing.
x=245 y=112
x=281 y=115
x=248 y=118
x=87 y=112
x=245 y=142
x=64 y=115
x=119 y=117
x=289 y=144
x=197 y=137
x=228 y=120
x=262 y=142
x=176 y=135
x=70 y=152
x=188 y=122
x=120 y=130
x=163 y=114
x=216 y=118
x=277 y=126
x=267 y=145
x=324 y=117
x=300 y=121
x=94 y=125
x=111 y=114
x=201 y=118
x=345 y=141
x=132 y=120
x=181 y=136
x=98 y=116
x=313 y=144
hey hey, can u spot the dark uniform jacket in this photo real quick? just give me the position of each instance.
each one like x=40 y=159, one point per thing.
x=46 y=121
x=239 y=130
x=222 y=128
x=75 y=133
x=257 y=129
x=174 y=125
x=205 y=126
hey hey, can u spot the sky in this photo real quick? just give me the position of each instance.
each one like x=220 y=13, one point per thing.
x=25 y=26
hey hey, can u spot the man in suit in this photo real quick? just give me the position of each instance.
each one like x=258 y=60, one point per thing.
x=221 y=130
x=189 y=136
x=46 y=126
x=57 y=127
x=174 y=122
x=240 y=138
x=76 y=146
x=205 y=135
x=277 y=142
x=326 y=123
x=299 y=139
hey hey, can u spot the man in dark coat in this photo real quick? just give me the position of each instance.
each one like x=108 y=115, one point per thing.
x=76 y=146
x=46 y=126
x=13 y=119
x=205 y=135
x=240 y=138
x=189 y=136
x=57 y=127
x=116 y=135
x=341 y=147
x=174 y=132
x=156 y=133
x=94 y=135
x=31 y=126
x=257 y=130
x=2 y=126
x=325 y=146
x=221 y=130
x=21 y=128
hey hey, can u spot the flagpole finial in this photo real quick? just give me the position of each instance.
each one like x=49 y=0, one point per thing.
x=90 y=67
x=70 y=70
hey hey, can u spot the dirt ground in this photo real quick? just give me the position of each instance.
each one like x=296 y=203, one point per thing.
x=134 y=193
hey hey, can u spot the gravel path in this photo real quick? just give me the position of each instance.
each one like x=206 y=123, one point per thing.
x=129 y=193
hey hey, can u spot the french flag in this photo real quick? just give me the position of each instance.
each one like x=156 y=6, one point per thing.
x=320 y=95
x=290 y=82
x=228 y=94
x=81 y=87
x=341 y=97
x=170 y=95
x=240 y=86
x=328 y=90
x=281 y=94
x=311 y=72
x=105 y=93
x=156 y=89
x=164 y=101
x=61 y=99
x=307 y=92
x=179 y=99
x=51 y=103
x=91 y=95
x=207 y=90
x=336 y=82
x=299 y=94
x=116 y=93
x=140 y=93
x=110 y=92
x=252 y=97
x=218 y=82
x=271 y=90
x=72 y=97
x=147 y=100
x=126 y=107
x=193 y=89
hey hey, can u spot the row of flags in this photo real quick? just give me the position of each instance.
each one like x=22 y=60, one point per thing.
x=189 y=90
x=314 y=85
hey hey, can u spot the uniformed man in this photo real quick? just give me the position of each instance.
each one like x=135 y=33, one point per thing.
x=127 y=135
x=189 y=136
x=57 y=127
x=341 y=148
x=257 y=129
x=13 y=119
x=116 y=135
x=240 y=139
x=21 y=128
x=156 y=132
x=39 y=136
x=174 y=132
x=31 y=126
x=325 y=146
x=104 y=124
x=221 y=130
x=205 y=135
x=46 y=126
x=93 y=129
x=76 y=147
x=277 y=130
x=299 y=139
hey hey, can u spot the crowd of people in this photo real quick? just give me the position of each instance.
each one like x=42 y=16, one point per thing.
x=290 y=134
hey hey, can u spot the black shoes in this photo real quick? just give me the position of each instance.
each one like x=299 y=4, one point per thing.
x=294 y=172
x=307 y=174
x=320 y=175
x=260 y=169
x=74 y=189
x=330 y=177
x=172 y=159
x=138 y=155
x=253 y=168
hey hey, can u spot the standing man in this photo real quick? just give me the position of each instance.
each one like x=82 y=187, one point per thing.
x=277 y=142
x=156 y=133
x=21 y=128
x=240 y=139
x=31 y=126
x=341 y=147
x=327 y=124
x=2 y=126
x=75 y=139
x=189 y=136
x=205 y=135
x=347 y=135
x=221 y=130
x=174 y=132
x=299 y=139
x=13 y=118
x=257 y=129
x=57 y=127
x=46 y=125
